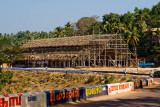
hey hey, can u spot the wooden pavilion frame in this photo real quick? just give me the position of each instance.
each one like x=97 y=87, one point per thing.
x=101 y=50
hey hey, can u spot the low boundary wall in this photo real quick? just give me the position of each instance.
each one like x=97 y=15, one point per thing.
x=49 y=98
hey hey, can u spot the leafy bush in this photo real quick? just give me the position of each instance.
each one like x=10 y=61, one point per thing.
x=129 y=80
x=123 y=79
x=25 y=91
x=109 y=80
x=28 y=79
x=1 y=86
x=100 y=79
x=106 y=81
x=90 y=79
x=24 y=84
x=5 y=77
x=66 y=76
x=105 y=76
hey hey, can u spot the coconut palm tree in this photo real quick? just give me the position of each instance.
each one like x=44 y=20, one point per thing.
x=132 y=37
x=59 y=32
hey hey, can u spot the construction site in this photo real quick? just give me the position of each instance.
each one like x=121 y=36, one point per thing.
x=90 y=50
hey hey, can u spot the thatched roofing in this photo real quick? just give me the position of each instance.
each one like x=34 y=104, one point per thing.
x=50 y=56
x=54 y=42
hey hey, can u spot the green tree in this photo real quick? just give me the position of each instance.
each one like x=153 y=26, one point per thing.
x=156 y=9
x=132 y=37
x=68 y=29
x=59 y=32
x=96 y=28
x=112 y=23
x=128 y=19
x=10 y=55
x=84 y=24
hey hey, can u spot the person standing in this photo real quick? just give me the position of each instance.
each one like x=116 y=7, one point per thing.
x=151 y=73
x=125 y=72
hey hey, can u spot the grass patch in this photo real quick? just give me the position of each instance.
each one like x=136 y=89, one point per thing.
x=19 y=81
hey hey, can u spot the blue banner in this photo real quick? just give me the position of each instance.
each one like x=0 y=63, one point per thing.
x=64 y=96
x=94 y=91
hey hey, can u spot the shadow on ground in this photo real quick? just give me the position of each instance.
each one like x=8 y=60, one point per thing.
x=149 y=97
x=147 y=101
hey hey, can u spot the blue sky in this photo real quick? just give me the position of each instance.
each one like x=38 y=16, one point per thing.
x=46 y=15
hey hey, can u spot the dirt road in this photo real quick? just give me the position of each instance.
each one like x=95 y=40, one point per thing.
x=149 y=97
x=131 y=70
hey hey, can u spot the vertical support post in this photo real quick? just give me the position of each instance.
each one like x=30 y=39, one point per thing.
x=116 y=51
x=127 y=59
x=108 y=62
x=28 y=61
x=130 y=60
x=94 y=57
x=89 y=59
x=84 y=62
x=105 y=55
x=73 y=63
x=81 y=60
x=64 y=64
x=115 y=57
x=59 y=64
x=69 y=64
x=55 y=63
x=121 y=53
x=25 y=63
x=121 y=59
x=99 y=53
x=79 y=63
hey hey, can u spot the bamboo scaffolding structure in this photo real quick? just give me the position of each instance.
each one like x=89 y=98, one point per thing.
x=102 y=50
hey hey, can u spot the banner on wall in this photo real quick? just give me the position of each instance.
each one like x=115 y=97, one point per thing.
x=11 y=100
x=94 y=91
x=124 y=87
x=137 y=84
x=143 y=83
x=150 y=81
x=63 y=96
x=120 y=87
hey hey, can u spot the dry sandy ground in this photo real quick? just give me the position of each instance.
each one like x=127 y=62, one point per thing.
x=133 y=70
x=147 y=97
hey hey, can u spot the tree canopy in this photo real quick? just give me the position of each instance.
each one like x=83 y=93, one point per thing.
x=132 y=26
